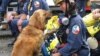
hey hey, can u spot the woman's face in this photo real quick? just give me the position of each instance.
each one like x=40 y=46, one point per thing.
x=63 y=6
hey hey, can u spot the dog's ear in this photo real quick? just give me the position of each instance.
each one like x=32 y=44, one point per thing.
x=37 y=20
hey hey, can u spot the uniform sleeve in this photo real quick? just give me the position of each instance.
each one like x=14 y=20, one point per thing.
x=74 y=40
x=45 y=5
x=25 y=7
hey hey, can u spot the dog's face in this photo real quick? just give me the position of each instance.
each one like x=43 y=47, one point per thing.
x=39 y=18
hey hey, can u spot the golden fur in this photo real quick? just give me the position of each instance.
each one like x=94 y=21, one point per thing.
x=30 y=39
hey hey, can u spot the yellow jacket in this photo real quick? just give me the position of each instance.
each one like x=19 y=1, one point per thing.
x=51 y=25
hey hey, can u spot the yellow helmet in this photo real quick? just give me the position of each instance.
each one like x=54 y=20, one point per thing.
x=57 y=1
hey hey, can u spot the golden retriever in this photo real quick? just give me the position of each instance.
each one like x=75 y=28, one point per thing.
x=30 y=39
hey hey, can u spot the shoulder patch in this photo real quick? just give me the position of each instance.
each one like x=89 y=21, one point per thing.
x=75 y=29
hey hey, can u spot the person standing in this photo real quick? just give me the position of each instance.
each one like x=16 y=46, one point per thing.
x=3 y=7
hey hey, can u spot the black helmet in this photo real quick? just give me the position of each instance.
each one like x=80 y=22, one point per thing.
x=72 y=7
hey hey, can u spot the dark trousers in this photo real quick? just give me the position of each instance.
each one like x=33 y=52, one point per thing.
x=3 y=7
x=14 y=29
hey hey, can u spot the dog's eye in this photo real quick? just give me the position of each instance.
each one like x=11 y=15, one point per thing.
x=44 y=14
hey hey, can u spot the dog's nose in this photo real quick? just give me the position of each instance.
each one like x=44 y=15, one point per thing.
x=49 y=13
x=48 y=18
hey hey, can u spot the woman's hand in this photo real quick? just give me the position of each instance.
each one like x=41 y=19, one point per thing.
x=20 y=21
x=56 y=54
x=19 y=24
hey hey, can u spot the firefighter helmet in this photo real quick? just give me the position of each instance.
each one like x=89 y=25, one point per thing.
x=57 y=1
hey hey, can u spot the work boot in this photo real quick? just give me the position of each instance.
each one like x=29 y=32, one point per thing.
x=4 y=27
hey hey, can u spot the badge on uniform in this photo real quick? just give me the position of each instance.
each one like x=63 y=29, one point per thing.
x=75 y=29
x=36 y=4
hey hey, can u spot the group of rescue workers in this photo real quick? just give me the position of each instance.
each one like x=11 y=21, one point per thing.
x=68 y=34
